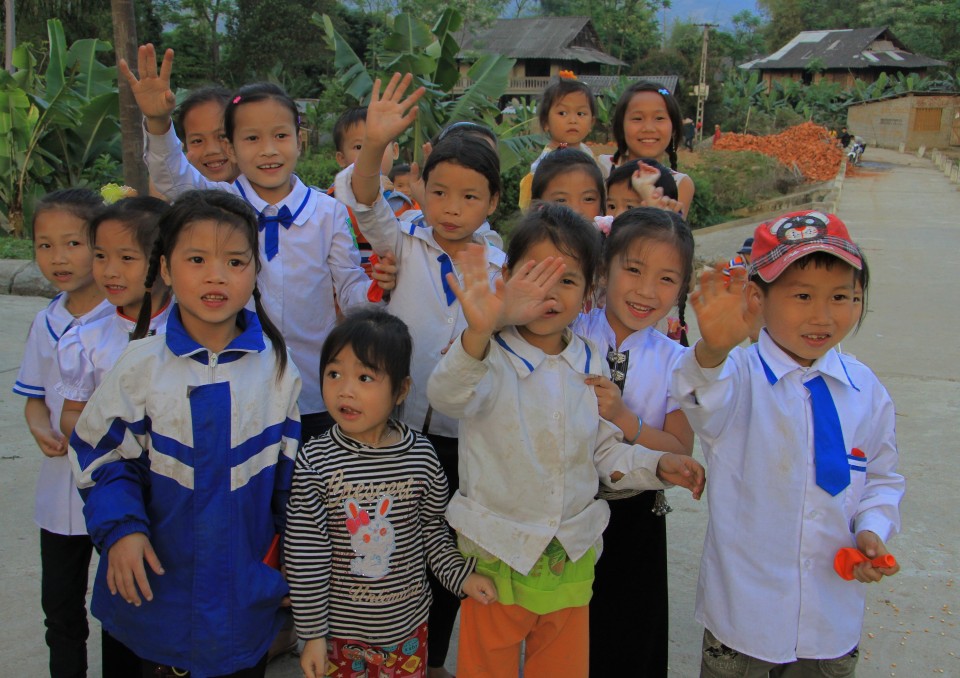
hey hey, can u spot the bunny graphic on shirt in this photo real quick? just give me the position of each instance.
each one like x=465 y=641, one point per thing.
x=373 y=539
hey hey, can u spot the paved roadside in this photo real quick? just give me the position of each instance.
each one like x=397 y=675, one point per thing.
x=904 y=212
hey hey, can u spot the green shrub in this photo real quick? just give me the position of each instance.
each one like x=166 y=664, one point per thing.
x=727 y=181
x=319 y=168
x=15 y=248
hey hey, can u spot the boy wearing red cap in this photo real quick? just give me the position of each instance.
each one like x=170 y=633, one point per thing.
x=801 y=450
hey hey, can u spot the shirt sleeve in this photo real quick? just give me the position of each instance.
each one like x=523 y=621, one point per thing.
x=377 y=222
x=637 y=463
x=445 y=561
x=706 y=395
x=308 y=550
x=349 y=279
x=30 y=381
x=107 y=454
x=460 y=385
x=879 y=509
x=169 y=168
x=77 y=371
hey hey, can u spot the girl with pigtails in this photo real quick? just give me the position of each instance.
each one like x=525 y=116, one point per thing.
x=647 y=267
x=184 y=457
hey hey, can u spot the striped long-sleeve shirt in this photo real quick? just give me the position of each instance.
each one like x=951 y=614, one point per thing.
x=362 y=526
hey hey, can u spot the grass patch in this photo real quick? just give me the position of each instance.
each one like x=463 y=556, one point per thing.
x=727 y=181
x=15 y=248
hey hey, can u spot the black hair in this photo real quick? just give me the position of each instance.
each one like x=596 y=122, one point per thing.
x=470 y=152
x=569 y=232
x=258 y=91
x=196 y=97
x=223 y=208
x=347 y=119
x=821 y=259
x=475 y=130
x=563 y=161
x=82 y=203
x=623 y=173
x=380 y=340
x=558 y=89
x=660 y=225
x=398 y=170
x=673 y=110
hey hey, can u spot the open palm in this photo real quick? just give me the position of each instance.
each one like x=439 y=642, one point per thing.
x=152 y=90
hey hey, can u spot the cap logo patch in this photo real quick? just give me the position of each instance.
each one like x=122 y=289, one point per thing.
x=800 y=228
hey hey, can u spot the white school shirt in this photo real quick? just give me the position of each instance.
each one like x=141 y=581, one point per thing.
x=58 y=507
x=419 y=299
x=85 y=354
x=533 y=448
x=650 y=357
x=767 y=584
x=317 y=258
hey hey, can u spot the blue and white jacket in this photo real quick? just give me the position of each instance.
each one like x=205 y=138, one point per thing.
x=195 y=450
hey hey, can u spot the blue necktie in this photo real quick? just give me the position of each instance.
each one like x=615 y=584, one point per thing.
x=270 y=224
x=446 y=266
x=829 y=451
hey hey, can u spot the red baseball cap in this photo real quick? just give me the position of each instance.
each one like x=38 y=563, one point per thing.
x=779 y=243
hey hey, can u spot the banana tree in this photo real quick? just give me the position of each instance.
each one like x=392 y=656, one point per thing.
x=54 y=125
x=430 y=54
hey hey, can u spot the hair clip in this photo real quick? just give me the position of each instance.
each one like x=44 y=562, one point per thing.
x=567 y=75
x=603 y=223
x=664 y=91
x=236 y=99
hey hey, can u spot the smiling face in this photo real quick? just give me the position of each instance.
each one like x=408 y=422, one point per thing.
x=646 y=126
x=621 y=197
x=577 y=190
x=265 y=147
x=120 y=266
x=62 y=252
x=212 y=273
x=570 y=119
x=808 y=311
x=642 y=286
x=456 y=203
x=204 y=142
x=359 y=398
x=546 y=332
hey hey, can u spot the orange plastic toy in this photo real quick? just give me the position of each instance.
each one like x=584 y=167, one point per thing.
x=375 y=292
x=848 y=557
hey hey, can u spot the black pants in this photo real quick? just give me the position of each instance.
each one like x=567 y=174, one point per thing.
x=65 y=563
x=629 y=611
x=445 y=605
x=152 y=670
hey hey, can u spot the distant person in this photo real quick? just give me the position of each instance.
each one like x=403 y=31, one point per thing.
x=689 y=131
x=716 y=133
x=845 y=138
x=802 y=456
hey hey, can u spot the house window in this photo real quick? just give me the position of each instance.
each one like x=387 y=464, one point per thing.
x=537 y=68
x=927 y=120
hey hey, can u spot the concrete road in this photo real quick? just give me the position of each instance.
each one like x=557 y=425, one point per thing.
x=905 y=214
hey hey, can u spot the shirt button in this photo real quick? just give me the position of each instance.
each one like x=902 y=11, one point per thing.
x=807 y=563
x=449 y=321
x=556 y=415
x=812 y=514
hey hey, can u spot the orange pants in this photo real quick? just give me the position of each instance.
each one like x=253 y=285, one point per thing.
x=558 y=643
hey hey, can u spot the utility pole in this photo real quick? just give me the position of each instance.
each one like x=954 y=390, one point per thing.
x=702 y=90
x=10 y=39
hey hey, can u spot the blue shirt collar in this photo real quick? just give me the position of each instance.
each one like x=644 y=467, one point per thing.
x=250 y=339
x=299 y=193
x=525 y=358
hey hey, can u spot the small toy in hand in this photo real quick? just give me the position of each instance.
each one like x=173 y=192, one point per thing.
x=111 y=193
x=847 y=558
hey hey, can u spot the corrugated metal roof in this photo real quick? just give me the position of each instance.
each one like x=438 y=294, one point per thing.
x=845 y=49
x=557 y=38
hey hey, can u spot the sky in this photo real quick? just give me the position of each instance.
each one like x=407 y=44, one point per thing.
x=708 y=11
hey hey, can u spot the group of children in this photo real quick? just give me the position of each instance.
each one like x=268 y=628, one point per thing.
x=484 y=437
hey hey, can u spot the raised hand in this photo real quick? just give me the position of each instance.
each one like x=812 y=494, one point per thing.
x=644 y=180
x=724 y=316
x=481 y=305
x=390 y=113
x=526 y=290
x=152 y=91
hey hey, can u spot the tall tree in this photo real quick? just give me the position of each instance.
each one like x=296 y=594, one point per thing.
x=125 y=44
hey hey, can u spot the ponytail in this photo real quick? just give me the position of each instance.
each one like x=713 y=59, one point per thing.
x=672 y=154
x=146 y=308
x=276 y=339
x=681 y=308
